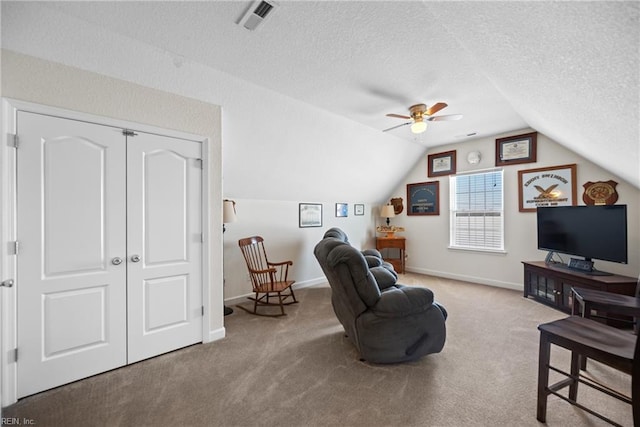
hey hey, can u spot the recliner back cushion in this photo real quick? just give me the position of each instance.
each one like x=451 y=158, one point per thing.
x=352 y=268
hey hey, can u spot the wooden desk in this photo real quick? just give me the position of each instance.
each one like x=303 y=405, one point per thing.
x=392 y=243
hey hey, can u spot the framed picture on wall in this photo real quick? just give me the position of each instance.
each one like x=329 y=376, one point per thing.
x=423 y=198
x=309 y=215
x=552 y=186
x=516 y=149
x=441 y=164
x=358 y=209
x=342 y=209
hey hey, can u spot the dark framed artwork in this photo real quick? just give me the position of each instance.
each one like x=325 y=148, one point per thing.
x=309 y=215
x=552 y=186
x=441 y=164
x=358 y=209
x=423 y=198
x=517 y=149
x=342 y=209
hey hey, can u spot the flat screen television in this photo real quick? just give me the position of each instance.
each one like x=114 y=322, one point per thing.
x=591 y=232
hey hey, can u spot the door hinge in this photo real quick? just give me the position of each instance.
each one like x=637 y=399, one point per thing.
x=202 y=310
x=201 y=237
x=14 y=140
x=128 y=132
x=199 y=163
x=15 y=354
x=15 y=249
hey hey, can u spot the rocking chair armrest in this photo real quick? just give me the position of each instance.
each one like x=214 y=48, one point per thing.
x=280 y=263
x=268 y=270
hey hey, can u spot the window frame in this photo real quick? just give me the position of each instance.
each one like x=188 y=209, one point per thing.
x=453 y=211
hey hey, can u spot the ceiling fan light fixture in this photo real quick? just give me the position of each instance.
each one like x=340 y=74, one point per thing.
x=418 y=127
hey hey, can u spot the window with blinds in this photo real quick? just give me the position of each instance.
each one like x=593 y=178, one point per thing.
x=477 y=214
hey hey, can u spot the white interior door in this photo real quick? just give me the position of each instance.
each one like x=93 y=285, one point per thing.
x=164 y=244
x=109 y=270
x=71 y=215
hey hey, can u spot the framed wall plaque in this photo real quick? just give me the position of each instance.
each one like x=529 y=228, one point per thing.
x=423 y=198
x=358 y=209
x=552 y=186
x=516 y=149
x=441 y=164
x=600 y=193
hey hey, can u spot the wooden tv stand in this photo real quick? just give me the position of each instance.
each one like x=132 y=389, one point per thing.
x=551 y=284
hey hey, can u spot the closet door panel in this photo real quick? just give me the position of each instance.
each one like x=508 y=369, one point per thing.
x=71 y=224
x=164 y=244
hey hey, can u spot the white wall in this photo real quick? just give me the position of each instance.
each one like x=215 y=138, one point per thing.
x=428 y=236
x=277 y=223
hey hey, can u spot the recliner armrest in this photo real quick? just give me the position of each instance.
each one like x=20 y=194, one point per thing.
x=400 y=301
x=383 y=277
x=372 y=252
x=373 y=261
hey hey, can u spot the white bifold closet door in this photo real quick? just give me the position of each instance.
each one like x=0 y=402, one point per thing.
x=109 y=261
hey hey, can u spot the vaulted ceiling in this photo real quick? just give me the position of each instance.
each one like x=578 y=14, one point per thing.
x=567 y=69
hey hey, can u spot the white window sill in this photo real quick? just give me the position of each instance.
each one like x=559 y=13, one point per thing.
x=483 y=250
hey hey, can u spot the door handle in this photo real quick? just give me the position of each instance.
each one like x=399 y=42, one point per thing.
x=135 y=258
x=116 y=261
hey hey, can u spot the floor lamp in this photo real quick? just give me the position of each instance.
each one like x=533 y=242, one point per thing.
x=228 y=215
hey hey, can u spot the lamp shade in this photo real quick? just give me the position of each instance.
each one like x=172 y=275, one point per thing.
x=228 y=211
x=387 y=211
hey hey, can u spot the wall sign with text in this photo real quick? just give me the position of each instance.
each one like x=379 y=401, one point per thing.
x=552 y=186
x=423 y=198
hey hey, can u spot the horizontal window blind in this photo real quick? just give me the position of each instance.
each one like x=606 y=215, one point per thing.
x=477 y=211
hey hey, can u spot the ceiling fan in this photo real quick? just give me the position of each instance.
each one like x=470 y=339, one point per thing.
x=420 y=115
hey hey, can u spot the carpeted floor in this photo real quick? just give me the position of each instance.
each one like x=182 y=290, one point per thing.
x=300 y=370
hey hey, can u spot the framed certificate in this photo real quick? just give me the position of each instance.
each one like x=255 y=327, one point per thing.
x=441 y=164
x=516 y=149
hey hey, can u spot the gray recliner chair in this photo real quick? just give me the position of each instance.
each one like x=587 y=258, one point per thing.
x=386 y=321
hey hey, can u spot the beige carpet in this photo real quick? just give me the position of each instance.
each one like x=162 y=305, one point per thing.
x=299 y=370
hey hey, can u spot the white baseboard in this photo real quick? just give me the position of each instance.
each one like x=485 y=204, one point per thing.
x=298 y=285
x=465 y=278
x=215 y=335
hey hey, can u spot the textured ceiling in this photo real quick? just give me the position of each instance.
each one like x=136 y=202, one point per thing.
x=567 y=69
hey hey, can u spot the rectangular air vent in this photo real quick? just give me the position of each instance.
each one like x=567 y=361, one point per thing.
x=256 y=14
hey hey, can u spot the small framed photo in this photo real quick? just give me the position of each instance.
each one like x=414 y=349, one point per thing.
x=517 y=149
x=358 y=209
x=423 y=198
x=552 y=186
x=309 y=215
x=442 y=163
x=342 y=209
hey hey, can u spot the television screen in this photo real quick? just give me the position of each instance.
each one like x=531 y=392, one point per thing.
x=592 y=232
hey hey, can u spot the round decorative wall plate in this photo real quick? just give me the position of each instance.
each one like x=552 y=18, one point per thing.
x=600 y=193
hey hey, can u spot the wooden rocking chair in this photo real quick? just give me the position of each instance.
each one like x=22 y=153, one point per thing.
x=269 y=279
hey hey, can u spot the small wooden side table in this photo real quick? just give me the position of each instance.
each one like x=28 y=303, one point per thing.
x=393 y=243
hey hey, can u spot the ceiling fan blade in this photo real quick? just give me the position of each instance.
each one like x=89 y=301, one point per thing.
x=446 y=118
x=398 y=116
x=435 y=108
x=395 y=127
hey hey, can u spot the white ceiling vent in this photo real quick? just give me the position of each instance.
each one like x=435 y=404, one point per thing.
x=256 y=14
